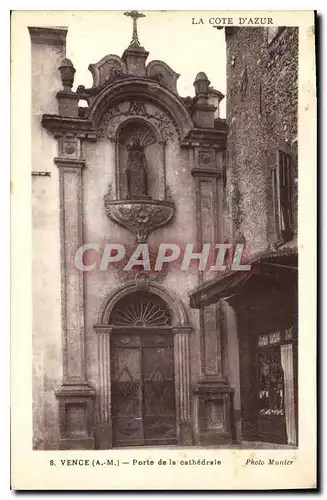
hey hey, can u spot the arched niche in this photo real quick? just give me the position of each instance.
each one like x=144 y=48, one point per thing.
x=140 y=162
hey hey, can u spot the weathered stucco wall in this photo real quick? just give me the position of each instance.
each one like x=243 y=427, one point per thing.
x=47 y=341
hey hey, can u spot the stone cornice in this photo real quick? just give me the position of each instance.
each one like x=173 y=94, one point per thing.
x=99 y=328
x=76 y=390
x=212 y=386
x=76 y=163
x=135 y=51
x=202 y=136
x=60 y=125
x=182 y=329
x=205 y=172
x=48 y=36
x=203 y=107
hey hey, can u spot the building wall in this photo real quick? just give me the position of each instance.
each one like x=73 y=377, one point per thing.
x=262 y=100
x=262 y=116
x=47 y=329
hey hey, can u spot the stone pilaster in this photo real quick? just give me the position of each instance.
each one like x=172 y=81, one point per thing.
x=214 y=398
x=75 y=396
x=207 y=173
x=70 y=186
x=104 y=437
x=182 y=383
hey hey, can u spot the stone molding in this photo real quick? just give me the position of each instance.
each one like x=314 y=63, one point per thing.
x=84 y=128
x=48 y=36
x=75 y=390
x=70 y=163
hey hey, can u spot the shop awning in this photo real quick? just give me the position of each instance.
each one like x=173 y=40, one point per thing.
x=275 y=266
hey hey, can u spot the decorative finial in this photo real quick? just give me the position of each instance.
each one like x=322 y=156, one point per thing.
x=67 y=72
x=135 y=15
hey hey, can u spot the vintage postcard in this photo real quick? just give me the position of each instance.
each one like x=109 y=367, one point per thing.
x=163 y=250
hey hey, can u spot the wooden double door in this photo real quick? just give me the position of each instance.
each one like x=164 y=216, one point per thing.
x=143 y=388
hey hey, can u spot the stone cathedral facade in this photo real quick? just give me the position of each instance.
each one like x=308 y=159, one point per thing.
x=125 y=357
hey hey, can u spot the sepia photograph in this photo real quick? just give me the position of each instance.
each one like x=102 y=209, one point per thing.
x=164 y=235
x=162 y=355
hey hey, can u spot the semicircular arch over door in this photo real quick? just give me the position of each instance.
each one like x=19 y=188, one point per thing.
x=144 y=380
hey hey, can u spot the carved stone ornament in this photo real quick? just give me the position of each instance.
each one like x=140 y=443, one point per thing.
x=205 y=157
x=115 y=115
x=140 y=217
x=162 y=73
x=142 y=281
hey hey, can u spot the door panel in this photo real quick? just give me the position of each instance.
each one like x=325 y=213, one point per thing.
x=127 y=392
x=143 y=389
x=159 y=390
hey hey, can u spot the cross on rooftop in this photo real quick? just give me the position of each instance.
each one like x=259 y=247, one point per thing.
x=135 y=15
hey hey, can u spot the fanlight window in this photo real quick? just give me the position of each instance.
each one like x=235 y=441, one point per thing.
x=142 y=310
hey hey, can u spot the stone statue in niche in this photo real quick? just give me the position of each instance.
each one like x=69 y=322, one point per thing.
x=136 y=171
